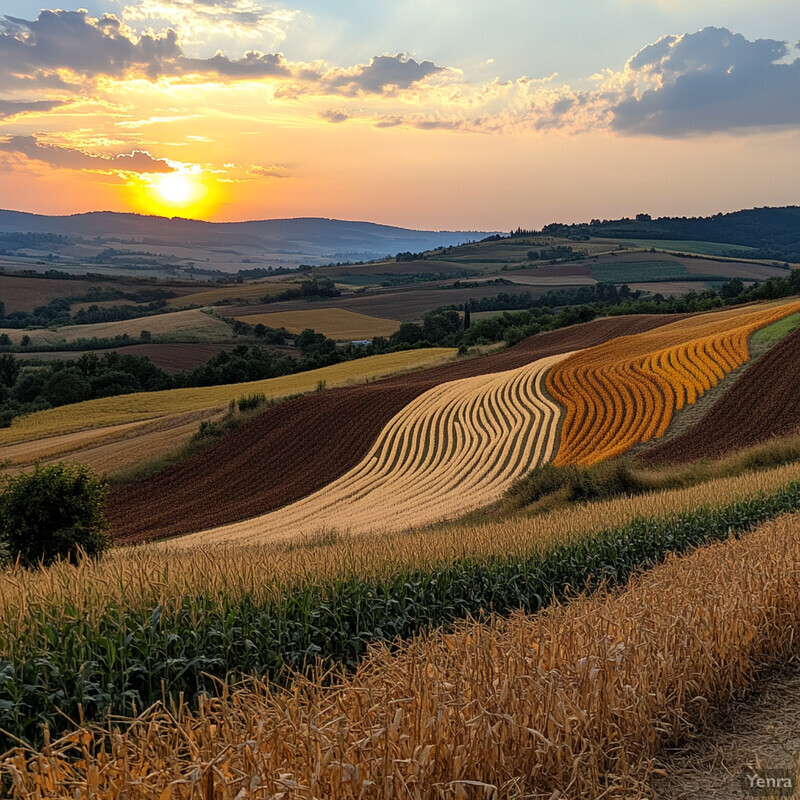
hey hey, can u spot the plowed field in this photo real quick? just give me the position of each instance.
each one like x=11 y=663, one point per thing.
x=626 y=391
x=762 y=404
x=297 y=448
x=454 y=448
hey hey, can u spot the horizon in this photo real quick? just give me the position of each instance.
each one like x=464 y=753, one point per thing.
x=422 y=118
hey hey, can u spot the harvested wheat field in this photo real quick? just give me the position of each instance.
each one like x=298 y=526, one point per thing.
x=187 y=326
x=335 y=323
x=150 y=405
x=763 y=404
x=626 y=391
x=297 y=448
x=575 y=701
x=454 y=448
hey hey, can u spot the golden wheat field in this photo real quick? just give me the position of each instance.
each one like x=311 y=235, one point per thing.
x=149 y=405
x=247 y=292
x=456 y=447
x=573 y=702
x=335 y=323
x=187 y=326
x=626 y=391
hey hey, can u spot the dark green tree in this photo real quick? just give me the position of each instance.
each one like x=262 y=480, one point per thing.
x=53 y=512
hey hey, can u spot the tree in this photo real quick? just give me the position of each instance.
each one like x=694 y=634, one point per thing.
x=5 y=339
x=53 y=512
x=26 y=340
x=466 y=315
x=9 y=369
x=66 y=386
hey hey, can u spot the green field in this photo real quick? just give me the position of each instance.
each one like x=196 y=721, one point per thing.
x=687 y=246
x=778 y=330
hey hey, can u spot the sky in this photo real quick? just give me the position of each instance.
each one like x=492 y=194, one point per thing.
x=429 y=114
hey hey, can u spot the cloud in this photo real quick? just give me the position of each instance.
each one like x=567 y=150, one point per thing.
x=335 y=115
x=138 y=161
x=706 y=82
x=383 y=74
x=233 y=18
x=11 y=108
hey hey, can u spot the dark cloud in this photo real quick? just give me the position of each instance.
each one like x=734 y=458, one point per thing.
x=382 y=74
x=10 y=108
x=65 y=158
x=252 y=65
x=710 y=81
x=334 y=115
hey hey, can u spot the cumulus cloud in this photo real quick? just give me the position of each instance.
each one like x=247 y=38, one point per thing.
x=138 y=161
x=382 y=74
x=709 y=81
x=12 y=108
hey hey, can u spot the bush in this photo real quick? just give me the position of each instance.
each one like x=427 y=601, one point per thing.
x=53 y=512
x=251 y=401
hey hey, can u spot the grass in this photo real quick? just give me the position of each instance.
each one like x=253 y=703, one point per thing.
x=777 y=331
x=150 y=405
x=335 y=323
x=185 y=326
x=245 y=292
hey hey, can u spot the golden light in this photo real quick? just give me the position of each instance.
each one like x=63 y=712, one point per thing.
x=185 y=194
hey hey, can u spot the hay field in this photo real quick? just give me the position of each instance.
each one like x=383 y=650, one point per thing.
x=245 y=292
x=335 y=323
x=626 y=391
x=149 y=405
x=186 y=326
x=454 y=448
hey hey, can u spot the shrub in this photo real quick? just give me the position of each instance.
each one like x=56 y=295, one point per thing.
x=251 y=401
x=53 y=512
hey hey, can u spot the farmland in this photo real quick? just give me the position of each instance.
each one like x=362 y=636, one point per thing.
x=151 y=405
x=299 y=447
x=335 y=323
x=185 y=326
x=626 y=392
x=237 y=293
x=454 y=448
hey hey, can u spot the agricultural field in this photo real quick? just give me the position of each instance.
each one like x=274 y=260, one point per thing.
x=298 y=448
x=626 y=392
x=454 y=448
x=336 y=323
x=185 y=326
x=639 y=271
x=152 y=405
x=234 y=293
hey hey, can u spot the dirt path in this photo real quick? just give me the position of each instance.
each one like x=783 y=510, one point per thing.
x=763 y=730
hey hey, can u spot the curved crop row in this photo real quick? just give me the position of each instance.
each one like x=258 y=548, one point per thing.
x=454 y=448
x=625 y=392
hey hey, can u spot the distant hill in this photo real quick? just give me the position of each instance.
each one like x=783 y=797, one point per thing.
x=773 y=232
x=314 y=238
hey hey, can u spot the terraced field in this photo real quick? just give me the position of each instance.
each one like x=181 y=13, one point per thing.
x=455 y=448
x=297 y=448
x=626 y=391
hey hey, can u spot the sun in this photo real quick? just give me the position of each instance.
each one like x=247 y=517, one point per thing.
x=173 y=194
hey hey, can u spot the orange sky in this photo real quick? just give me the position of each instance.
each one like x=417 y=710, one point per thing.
x=678 y=128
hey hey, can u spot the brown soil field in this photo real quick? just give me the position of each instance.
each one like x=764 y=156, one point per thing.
x=298 y=447
x=336 y=323
x=763 y=404
x=170 y=357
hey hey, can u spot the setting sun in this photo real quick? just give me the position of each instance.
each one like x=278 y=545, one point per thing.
x=176 y=192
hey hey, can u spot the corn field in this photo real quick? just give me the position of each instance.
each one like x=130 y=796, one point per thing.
x=574 y=701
